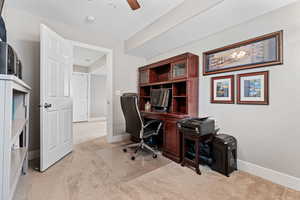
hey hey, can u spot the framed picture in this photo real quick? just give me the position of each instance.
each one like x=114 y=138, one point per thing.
x=222 y=89
x=253 y=88
x=262 y=51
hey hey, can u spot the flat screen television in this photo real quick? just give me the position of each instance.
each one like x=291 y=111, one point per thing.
x=160 y=98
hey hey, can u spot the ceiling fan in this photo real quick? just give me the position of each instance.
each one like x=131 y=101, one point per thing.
x=134 y=4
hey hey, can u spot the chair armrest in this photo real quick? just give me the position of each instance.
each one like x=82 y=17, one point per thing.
x=152 y=122
x=156 y=126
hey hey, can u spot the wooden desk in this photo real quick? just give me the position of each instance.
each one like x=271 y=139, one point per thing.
x=172 y=138
x=180 y=75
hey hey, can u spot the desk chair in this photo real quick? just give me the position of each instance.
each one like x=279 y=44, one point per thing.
x=136 y=125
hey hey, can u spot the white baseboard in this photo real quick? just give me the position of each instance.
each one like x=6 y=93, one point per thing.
x=118 y=138
x=97 y=119
x=33 y=154
x=271 y=175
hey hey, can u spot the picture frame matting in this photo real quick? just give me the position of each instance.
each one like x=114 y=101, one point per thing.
x=253 y=88
x=222 y=89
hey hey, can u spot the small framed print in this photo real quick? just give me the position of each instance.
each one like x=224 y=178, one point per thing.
x=253 y=88
x=222 y=89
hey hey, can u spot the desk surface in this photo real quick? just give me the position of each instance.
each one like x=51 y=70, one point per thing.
x=165 y=114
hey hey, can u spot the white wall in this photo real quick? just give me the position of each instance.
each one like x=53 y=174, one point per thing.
x=126 y=80
x=82 y=69
x=98 y=100
x=28 y=51
x=23 y=33
x=267 y=135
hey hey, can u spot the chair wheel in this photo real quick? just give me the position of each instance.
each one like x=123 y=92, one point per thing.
x=124 y=150
x=132 y=158
x=154 y=156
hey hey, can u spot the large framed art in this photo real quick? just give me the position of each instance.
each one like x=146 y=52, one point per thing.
x=266 y=50
x=222 y=89
x=253 y=88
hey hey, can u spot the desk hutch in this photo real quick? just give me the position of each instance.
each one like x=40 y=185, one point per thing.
x=180 y=74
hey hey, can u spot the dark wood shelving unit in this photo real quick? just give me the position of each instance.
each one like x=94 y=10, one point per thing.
x=180 y=74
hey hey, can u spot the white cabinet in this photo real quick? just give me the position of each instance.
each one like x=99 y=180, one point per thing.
x=14 y=133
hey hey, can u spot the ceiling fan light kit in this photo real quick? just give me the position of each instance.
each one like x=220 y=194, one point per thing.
x=134 y=4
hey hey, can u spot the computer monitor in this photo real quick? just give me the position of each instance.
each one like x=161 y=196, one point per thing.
x=160 y=98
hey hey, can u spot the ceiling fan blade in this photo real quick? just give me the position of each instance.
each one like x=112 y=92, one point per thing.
x=134 y=4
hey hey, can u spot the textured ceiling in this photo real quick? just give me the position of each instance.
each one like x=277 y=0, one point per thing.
x=112 y=16
x=85 y=57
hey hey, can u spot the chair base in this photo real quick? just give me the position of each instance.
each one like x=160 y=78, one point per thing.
x=141 y=146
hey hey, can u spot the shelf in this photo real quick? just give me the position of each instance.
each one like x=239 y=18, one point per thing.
x=18 y=83
x=163 y=82
x=15 y=95
x=17 y=159
x=179 y=105
x=179 y=113
x=180 y=89
x=166 y=114
x=179 y=96
x=145 y=91
x=160 y=73
x=17 y=128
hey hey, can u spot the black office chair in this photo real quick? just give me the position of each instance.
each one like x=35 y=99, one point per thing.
x=136 y=126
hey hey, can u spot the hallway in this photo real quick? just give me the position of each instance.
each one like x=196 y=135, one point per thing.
x=86 y=131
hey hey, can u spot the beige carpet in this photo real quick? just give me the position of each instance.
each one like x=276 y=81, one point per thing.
x=99 y=171
x=86 y=131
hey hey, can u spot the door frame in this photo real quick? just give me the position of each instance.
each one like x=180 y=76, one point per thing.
x=109 y=83
x=88 y=92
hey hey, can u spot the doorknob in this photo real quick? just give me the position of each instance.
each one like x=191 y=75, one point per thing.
x=47 y=105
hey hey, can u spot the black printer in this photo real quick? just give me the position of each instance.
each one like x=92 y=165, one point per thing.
x=201 y=126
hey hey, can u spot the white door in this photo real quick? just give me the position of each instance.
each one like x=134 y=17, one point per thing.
x=80 y=96
x=56 y=102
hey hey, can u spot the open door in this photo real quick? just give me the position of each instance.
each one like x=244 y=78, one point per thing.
x=80 y=82
x=56 y=102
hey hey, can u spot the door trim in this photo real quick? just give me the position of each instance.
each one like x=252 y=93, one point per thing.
x=109 y=85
